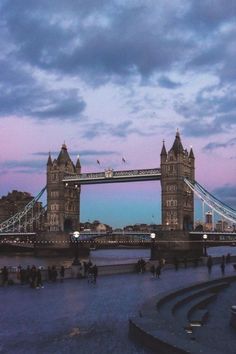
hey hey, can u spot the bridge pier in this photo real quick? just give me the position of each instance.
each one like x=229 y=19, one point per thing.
x=58 y=244
x=171 y=244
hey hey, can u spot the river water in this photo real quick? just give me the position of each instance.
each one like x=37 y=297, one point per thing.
x=99 y=257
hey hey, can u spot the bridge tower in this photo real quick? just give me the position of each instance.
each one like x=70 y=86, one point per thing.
x=63 y=203
x=177 y=197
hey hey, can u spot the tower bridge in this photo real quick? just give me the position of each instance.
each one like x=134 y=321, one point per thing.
x=65 y=180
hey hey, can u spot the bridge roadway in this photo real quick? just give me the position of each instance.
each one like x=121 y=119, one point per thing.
x=111 y=176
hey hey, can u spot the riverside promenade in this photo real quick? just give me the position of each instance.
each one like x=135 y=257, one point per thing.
x=78 y=317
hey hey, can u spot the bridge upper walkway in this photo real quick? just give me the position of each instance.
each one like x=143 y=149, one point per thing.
x=111 y=176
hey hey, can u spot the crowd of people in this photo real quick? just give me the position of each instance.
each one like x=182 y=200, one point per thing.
x=224 y=260
x=34 y=276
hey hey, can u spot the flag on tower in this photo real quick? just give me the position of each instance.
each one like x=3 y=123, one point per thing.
x=123 y=159
x=98 y=162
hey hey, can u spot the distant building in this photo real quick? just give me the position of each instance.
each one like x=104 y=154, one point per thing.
x=14 y=203
x=208 y=221
x=224 y=226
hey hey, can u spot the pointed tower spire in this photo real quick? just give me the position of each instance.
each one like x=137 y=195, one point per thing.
x=163 y=150
x=177 y=146
x=63 y=156
x=49 y=163
x=78 y=165
x=191 y=154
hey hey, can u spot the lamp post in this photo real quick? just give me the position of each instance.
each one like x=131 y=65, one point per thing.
x=76 y=236
x=153 y=236
x=205 y=241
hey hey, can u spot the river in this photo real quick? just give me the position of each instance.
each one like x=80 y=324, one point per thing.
x=99 y=257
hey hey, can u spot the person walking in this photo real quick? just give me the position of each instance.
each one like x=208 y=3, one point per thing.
x=33 y=276
x=209 y=264
x=39 y=283
x=158 y=271
x=62 y=273
x=152 y=270
x=222 y=266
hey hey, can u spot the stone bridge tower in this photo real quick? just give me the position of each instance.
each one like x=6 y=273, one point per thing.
x=177 y=198
x=63 y=203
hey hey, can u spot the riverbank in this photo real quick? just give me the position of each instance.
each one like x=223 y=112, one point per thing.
x=77 y=272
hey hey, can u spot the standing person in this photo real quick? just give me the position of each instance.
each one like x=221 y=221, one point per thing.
x=209 y=264
x=49 y=273
x=222 y=266
x=33 y=276
x=62 y=273
x=142 y=265
x=95 y=273
x=4 y=275
x=152 y=269
x=39 y=283
x=158 y=271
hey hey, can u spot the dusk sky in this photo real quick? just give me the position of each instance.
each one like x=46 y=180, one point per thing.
x=113 y=79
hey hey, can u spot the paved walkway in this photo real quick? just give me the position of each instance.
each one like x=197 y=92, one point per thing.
x=77 y=317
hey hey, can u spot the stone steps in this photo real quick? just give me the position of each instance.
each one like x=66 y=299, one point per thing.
x=167 y=322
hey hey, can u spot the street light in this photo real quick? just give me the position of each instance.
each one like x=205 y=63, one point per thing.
x=153 y=236
x=76 y=236
x=205 y=241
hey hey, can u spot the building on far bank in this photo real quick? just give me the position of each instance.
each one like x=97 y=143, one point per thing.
x=13 y=203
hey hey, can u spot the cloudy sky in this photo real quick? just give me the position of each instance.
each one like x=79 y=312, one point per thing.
x=113 y=78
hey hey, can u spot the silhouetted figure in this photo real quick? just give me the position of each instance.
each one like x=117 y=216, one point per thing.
x=62 y=273
x=222 y=266
x=152 y=270
x=39 y=283
x=158 y=271
x=209 y=264
x=142 y=265
x=4 y=275
x=33 y=276
x=49 y=270
x=22 y=276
